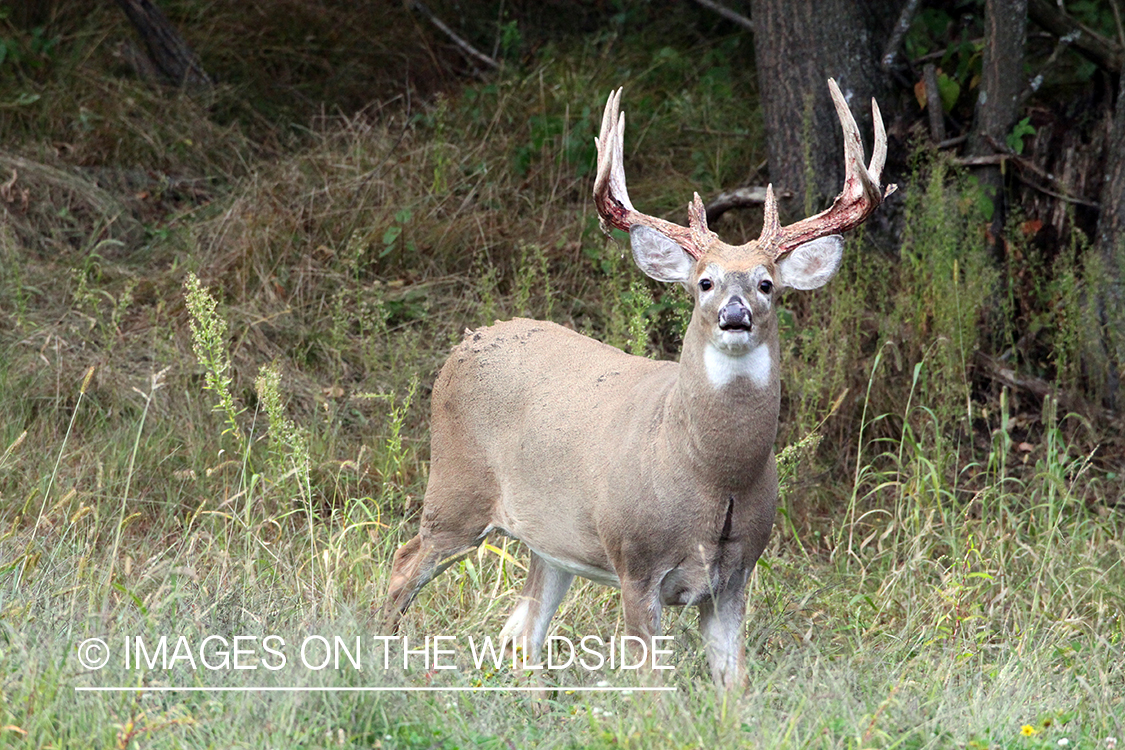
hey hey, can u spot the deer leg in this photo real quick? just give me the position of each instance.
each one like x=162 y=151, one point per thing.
x=416 y=563
x=641 y=604
x=544 y=591
x=720 y=620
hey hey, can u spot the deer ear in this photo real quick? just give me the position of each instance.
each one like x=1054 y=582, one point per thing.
x=658 y=255
x=812 y=264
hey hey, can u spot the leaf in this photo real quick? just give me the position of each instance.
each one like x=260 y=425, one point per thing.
x=1022 y=129
x=950 y=91
x=920 y=94
x=393 y=232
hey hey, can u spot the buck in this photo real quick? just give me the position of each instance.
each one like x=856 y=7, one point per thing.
x=654 y=476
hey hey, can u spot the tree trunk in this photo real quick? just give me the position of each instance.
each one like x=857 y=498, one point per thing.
x=798 y=46
x=1110 y=246
x=32 y=13
x=170 y=52
x=998 y=103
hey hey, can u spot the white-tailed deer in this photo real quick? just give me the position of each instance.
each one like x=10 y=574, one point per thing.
x=653 y=476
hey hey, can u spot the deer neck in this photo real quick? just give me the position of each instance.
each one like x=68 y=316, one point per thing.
x=726 y=405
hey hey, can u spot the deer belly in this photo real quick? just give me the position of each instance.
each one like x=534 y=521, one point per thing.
x=561 y=560
x=575 y=567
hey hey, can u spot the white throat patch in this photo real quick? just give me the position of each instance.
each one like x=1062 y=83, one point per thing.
x=722 y=368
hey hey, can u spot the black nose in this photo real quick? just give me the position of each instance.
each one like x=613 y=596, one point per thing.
x=735 y=316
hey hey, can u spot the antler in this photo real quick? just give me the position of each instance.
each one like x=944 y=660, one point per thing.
x=860 y=196
x=612 y=199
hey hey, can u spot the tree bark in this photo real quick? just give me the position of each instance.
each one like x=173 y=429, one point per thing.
x=169 y=51
x=1110 y=246
x=798 y=46
x=998 y=103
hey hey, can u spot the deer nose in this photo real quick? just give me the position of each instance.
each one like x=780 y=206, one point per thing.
x=735 y=316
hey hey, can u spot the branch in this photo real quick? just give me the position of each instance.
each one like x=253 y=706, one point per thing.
x=934 y=106
x=727 y=13
x=1093 y=46
x=901 y=27
x=464 y=46
x=1037 y=80
x=1024 y=163
x=739 y=198
x=998 y=371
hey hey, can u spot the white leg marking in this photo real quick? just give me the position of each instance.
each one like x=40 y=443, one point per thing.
x=721 y=623
x=544 y=591
x=513 y=628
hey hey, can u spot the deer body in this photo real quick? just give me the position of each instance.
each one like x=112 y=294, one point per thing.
x=602 y=484
x=657 y=477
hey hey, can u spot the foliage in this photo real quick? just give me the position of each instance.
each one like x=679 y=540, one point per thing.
x=209 y=341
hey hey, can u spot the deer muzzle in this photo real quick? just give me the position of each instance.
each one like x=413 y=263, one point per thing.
x=735 y=316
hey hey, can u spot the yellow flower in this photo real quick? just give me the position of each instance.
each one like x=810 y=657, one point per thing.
x=1027 y=730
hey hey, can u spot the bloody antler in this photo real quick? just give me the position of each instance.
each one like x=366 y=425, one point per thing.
x=612 y=198
x=860 y=196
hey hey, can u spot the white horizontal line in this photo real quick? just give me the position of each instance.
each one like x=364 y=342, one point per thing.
x=393 y=689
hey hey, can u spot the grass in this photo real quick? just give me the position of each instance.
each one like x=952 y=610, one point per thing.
x=242 y=457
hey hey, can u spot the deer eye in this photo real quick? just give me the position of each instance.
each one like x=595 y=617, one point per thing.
x=705 y=284
x=766 y=286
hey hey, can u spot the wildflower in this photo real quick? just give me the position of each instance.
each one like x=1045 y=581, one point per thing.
x=1027 y=730
x=1063 y=742
x=1111 y=742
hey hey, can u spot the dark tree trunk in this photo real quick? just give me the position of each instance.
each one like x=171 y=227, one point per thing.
x=1111 y=222
x=998 y=103
x=799 y=45
x=1110 y=245
x=169 y=52
x=31 y=13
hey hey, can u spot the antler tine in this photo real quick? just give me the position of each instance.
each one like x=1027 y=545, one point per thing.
x=609 y=165
x=697 y=222
x=855 y=171
x=861 y=193
x=611 y=197
x=770 y=224
x=879 y=150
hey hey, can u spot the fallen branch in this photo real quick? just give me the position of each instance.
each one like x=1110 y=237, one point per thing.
x=956 y=140
x=730 y=15
x=1092 y=45
x=464 y=46
x=739 y=198
x=901 y=27
x=1022 y=164
x=1054 y=194
x=999 y=372
x=1037 y=80
x=720 y=133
